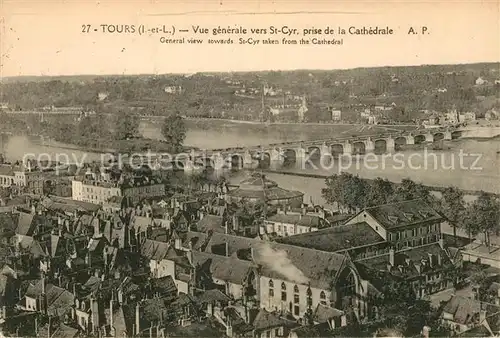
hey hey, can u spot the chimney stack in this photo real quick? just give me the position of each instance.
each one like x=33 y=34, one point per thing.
x=441 y=242
x=425 y=331
x=482 y=316
x=137 y=319
x=111 y=310
x=391 y=256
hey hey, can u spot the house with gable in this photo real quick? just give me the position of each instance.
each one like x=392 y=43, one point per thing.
x=471 y=317
x=295 y=279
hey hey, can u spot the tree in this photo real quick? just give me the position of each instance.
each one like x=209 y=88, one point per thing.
x=409 y=190
x=379 y=192
x=343 y=189
x=453 y=207
x=174 y=131
x=126 y=125
x=483 y=215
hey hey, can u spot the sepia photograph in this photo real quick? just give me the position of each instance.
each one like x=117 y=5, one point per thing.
x=249 y=169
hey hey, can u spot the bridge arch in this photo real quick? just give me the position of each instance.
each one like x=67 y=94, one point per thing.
x=265 y=159
x=337 y=148
x=348 y=288
x=176 y=165
x=438 y=136
x=290 y=155
x=401 y=140
x=205 y=162
x=314 y=151
x=419 y=139
x=381 y=145
x=359 y=147
x=236 y=161
x=456 y=134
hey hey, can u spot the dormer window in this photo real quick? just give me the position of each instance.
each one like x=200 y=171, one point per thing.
x=393 y=219
x=423 y=213
x=409 y=216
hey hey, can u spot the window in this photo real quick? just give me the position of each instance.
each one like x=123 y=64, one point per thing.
x=322 y=298
x=283 y=292
x=309 y=297
x=296 y=289
x=296 y=299
x=271 y=286
x=296 y=310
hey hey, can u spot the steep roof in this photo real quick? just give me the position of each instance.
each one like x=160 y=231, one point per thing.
x=25 y=224
x=229 y=269
x=401 y=214
x=306 y=265
x=164 y=285
x=409 y=260
x=325 y=313
x=336 y=238
x=268 y=320
x=154 y=250
x=211 y=222
x=464 y=310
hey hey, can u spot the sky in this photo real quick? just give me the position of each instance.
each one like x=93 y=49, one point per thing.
x=45 y=37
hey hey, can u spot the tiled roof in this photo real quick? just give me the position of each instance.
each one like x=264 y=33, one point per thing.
x=408 y=259
x=154 y=250
x=25 y=224
x=210 y=222
x=6 y=170
x=464 y=310
x=336 y=238
x=268 y=320
x=318 y=330
x=478 y=331
x=299 y=219
x=8 y=222
x=214 y=295
x=62 y=302
x=65 y=331
x=229 y=269
x=325 y=313
x=404 y=213
x=164 y=285
x=318 y=267
x=69 y=205
x=196 y=239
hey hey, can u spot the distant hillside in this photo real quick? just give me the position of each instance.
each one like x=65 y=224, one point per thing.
x=239 y=95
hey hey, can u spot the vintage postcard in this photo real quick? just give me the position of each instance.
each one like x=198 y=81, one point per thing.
x=249 y=169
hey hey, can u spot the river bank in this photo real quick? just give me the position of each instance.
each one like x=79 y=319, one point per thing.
x=434 y=189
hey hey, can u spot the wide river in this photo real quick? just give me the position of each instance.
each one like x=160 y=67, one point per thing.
x=467 y=164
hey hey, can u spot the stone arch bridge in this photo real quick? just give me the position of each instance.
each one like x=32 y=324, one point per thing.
x=238 y=158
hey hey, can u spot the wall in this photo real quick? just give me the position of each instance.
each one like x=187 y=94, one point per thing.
x=291 y=229
x=275 y=303
x=366 y=217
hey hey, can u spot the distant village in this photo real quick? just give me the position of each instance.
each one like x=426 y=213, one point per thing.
x=109 y=253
